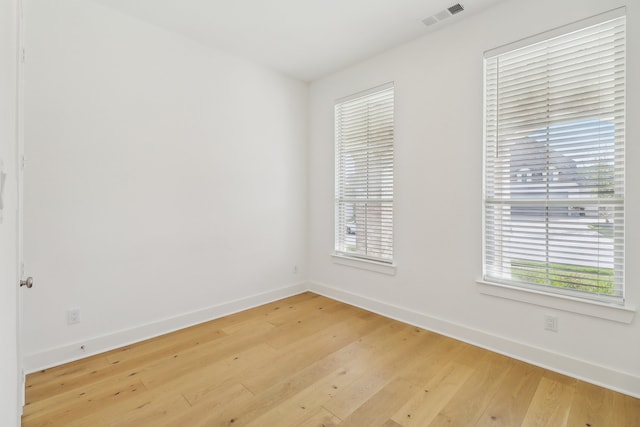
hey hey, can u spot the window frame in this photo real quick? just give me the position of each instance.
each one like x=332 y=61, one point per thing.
x=545 y=296
x=355 y=258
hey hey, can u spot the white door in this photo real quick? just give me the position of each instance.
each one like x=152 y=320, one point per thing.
x=10 y=360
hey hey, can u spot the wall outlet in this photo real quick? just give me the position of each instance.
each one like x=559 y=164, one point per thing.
x=73 y=316
x=551 y=323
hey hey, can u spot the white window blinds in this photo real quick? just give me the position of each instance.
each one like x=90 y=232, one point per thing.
x=554 y=161
x=364 y=175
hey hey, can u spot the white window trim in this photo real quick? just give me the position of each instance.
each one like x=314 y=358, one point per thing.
x=357 y=260
x=614 y=312
x=622 y=313
x=364 y=264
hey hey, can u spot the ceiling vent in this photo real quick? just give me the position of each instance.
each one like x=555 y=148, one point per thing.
x=456 y=8
x=442 y=15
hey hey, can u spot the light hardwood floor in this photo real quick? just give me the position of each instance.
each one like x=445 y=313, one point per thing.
x=311 y=361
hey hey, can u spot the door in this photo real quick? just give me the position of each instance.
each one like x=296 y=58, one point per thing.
x=10 y=368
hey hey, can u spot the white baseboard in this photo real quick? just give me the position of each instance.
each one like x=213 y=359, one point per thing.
x=603 y=376
x=71 y=352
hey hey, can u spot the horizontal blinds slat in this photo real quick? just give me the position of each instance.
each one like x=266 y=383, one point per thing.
x=571 y=58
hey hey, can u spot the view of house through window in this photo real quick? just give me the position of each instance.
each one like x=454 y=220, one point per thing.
x=364 y=175
x=554 y=162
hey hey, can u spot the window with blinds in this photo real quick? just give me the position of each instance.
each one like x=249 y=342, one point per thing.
x=554 y=161
x=364 y=175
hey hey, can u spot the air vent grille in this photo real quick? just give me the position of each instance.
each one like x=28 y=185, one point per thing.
x=456 y=8
x=443 y=14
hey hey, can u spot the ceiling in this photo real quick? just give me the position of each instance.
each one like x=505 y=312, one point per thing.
x=305 y=39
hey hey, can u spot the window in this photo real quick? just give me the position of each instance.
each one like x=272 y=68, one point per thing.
x=364 y=175
x=554 y=161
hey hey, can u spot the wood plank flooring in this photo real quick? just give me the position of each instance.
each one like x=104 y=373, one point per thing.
x=311 y=361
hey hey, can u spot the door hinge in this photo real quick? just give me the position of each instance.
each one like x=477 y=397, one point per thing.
x=24 y=54
x=22 y=161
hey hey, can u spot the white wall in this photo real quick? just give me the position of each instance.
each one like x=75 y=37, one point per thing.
x=163 y=178
x=438 y=183
x=9 y=376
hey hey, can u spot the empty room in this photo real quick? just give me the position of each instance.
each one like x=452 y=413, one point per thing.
x=304 y=213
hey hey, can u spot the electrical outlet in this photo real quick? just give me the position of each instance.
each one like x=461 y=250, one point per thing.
x=551 y=323
x=73 y=316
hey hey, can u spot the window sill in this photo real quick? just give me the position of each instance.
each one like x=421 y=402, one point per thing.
x=364 y=264
x=621 y=314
